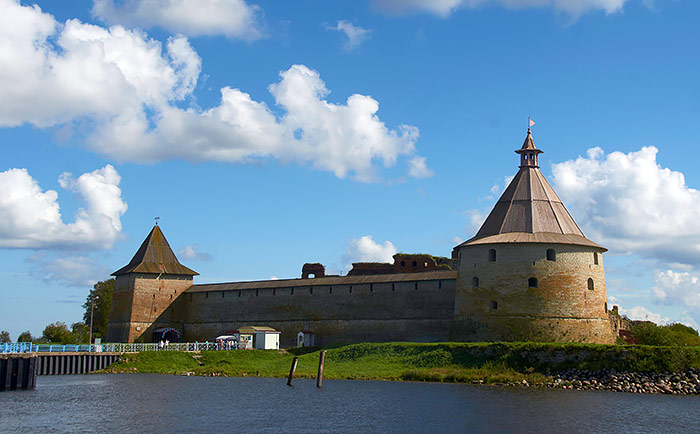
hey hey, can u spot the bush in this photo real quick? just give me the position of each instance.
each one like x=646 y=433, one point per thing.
x=648 y=333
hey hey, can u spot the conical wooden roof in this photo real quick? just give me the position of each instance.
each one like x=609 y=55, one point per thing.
x=529 y=211
x=155 y=257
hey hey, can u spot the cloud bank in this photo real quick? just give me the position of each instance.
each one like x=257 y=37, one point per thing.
x=31 y=217
x=445 y=8
x=126 y=91
x=231 y=18
x=632 y=205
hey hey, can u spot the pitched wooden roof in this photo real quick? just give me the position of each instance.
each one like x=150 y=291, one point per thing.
x=530 y=211
x=155 y=257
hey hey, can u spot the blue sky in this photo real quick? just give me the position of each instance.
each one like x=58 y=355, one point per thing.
x=267 y=134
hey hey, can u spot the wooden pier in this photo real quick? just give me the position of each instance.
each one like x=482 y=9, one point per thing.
x=19 y=371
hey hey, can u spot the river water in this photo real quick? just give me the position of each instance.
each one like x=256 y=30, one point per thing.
x=145 y=403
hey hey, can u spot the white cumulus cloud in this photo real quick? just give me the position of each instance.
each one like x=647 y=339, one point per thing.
x=192 y=252
x=365 y=249
x=682 y=288
x=417 y=168
x=641 y=313
x=31 y=217
x=231 y=18
x=444 y=8
x=125 y=90
x=76 y=271
x=356 y=35
x=632 y=205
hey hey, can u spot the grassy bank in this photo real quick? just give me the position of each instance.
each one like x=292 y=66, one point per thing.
x=442 y=362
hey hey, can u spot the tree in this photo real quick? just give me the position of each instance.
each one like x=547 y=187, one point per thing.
x=101 y=294
x=25 y=337
x=58 y=333
x=5 y=336
x=81 y=332
x=648 y=333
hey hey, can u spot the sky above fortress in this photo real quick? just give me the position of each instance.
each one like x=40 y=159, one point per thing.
x=266 y=134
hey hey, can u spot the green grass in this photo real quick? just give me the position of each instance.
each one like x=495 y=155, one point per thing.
x=441 y=362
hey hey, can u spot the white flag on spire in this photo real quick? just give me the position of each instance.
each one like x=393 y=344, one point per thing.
x=530 y=122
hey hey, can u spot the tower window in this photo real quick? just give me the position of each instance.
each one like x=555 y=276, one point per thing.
x=415 y=286
x=439 y=284
x=591 y=285
x=475 y=282
x=393 y=287
x=551 y=255
x=494 y=305
x=492 y=255
x=311 y=290
x=595 y=258
x=532 y=282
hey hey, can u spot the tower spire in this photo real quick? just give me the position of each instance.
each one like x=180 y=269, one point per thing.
x=529 y=152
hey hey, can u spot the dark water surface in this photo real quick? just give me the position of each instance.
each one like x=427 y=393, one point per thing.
x=147 y=403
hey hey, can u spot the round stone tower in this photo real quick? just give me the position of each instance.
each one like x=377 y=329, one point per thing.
x=530 y=274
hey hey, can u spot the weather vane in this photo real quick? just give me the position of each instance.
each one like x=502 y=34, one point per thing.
x=157 y=218
x=530 y=122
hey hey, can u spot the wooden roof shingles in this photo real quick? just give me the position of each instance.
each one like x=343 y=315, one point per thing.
x=155 y=257
x=530 y=211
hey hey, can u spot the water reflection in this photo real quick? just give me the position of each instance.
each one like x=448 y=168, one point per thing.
x=161 y=403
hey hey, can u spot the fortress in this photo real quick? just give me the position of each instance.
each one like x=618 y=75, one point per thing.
x=528 y=274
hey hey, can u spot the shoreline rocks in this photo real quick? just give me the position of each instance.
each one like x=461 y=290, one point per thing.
x=675 y=383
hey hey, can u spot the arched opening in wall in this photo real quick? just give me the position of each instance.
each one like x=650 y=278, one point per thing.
x=551 y=255
x=439 y=284
x=414 y=264
x=393 y=287
x=311 y=290
x=591 y=285
x=595 y=258
x=475 y=282
x=330 y=290
x=494 y=305
x=312 y=275
x=532 y=282
x=492 y=255
x=403 y=263
x=606 y=307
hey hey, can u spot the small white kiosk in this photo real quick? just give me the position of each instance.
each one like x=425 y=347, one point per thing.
x=258 y=337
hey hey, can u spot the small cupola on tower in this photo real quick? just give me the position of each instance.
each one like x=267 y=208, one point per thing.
x=529 y=152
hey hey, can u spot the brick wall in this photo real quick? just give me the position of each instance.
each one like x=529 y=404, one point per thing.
x=402 y=311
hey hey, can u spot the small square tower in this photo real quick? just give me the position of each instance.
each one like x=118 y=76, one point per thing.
x=145 y=289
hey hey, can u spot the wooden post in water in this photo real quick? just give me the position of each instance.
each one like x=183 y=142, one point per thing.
x=291 y=371
x=319 y=377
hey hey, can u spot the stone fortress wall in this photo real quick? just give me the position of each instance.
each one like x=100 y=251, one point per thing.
x=529 y=273
x=541 y=292
x=416 y=307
